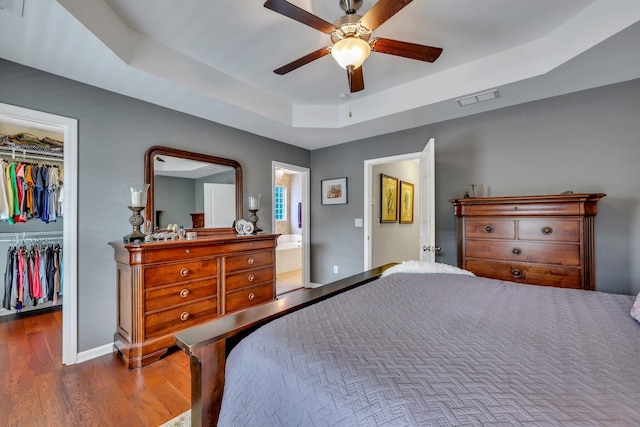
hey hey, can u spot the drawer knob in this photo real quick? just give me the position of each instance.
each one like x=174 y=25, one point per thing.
x=187 y=251
x=516 y=272
x=250 y=261
x=251 y=278
x=547 y=230
x=184 y=316
x=252 y=296
x=184 y=272
x=184 y=293
x=516 y=251
x=488 y=229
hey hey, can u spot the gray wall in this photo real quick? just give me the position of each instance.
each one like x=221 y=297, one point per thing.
x=585 y=142
x=171 y=196
x=114 y=133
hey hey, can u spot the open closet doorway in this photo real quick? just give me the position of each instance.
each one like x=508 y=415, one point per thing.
x=290 y=201
x=18 y=118
x=411 y=237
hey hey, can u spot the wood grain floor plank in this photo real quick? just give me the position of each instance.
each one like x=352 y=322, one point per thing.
x=56 y=406
x=99 y=392
x=40 y=356
x=143 y=401
x=168 y=395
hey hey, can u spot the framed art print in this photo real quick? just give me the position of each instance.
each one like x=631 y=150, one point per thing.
x=388 y=198
x=334 y=191
x=406 y=203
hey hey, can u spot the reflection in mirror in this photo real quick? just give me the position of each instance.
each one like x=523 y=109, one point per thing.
x=192 y=190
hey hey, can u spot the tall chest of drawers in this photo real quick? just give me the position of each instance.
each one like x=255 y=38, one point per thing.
x=542 y=240
x=165 y=287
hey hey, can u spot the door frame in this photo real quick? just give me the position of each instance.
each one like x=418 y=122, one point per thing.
x=305 y=182
x=69 y=127
x=368 y=196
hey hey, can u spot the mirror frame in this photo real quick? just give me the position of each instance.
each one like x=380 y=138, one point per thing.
x=157 y=150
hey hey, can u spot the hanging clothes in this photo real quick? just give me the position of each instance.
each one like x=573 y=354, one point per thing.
x=30 y=191
x=4 y=204
x=32 y=275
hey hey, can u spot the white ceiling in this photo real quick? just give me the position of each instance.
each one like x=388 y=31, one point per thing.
x=215 y=59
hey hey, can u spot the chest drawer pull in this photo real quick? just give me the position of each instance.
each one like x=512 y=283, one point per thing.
x=516 y=273
x=547 y=230
x=252 y=296
x=516 y=251
x=184 y=316
x=184 y=272
x=250 y=261
x=251 y=278
x=488 y=229
x=184 y=293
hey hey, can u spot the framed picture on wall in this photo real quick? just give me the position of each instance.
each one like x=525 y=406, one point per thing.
x=334 y=191
x=388 y=198
x=406 y=202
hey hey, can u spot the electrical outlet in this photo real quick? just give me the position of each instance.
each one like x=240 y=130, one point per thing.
x=335 y=269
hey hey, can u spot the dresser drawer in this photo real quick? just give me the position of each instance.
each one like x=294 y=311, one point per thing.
x=490 y=228
x=519 y=251
x=180 y=317
x=249 y=260
x=248 y=245
x=164 y=297
x=248 y=297
x=182 y=253
x=549 y=230
x=562 y=277
x=249 y=278
x=179 y=272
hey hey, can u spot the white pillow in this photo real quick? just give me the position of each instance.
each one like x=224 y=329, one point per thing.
x=635 y=310
x=424 y=267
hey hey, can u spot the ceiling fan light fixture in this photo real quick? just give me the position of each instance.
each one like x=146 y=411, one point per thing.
x=350 y=52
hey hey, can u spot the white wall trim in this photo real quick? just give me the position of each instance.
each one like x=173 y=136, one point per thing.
x=94 y=353
x=69 y=128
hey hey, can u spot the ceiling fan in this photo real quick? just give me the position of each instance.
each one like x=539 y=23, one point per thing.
x=351 y=37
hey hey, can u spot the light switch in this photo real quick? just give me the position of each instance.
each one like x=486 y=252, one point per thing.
x=358 y=222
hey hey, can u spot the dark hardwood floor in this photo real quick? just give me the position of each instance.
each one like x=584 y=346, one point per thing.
x=37 y=390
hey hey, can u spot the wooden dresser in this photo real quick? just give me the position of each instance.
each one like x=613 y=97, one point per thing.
x=542 y=240
x=165 y=287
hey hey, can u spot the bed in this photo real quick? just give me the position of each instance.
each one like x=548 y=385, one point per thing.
x=433 y=349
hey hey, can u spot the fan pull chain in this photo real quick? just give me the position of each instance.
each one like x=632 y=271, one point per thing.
x=350 y=77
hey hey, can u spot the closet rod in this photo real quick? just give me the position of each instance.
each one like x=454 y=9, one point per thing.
x=34 y=239
x=25 y=234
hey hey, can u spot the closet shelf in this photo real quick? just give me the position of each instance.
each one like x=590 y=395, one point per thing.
x=35 y=153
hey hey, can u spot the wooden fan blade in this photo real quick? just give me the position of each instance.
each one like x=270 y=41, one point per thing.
x=294 y=12
x=381 y=12
x=356 y=80
x=404 y=49
x=303 y=61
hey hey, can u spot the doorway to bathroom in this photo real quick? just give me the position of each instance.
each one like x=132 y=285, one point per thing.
x=290 y=201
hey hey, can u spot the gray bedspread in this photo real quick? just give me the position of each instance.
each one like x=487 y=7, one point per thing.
x=441 y=350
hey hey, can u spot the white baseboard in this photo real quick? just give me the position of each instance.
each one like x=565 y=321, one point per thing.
x=95 y=352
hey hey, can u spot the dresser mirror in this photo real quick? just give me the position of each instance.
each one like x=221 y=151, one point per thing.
x=200 y=192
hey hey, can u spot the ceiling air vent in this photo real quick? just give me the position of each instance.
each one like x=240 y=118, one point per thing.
x=478 y=97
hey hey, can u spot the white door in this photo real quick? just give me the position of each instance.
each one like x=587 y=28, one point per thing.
x=219 y=205
x=428 y=246
x=425 y=199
